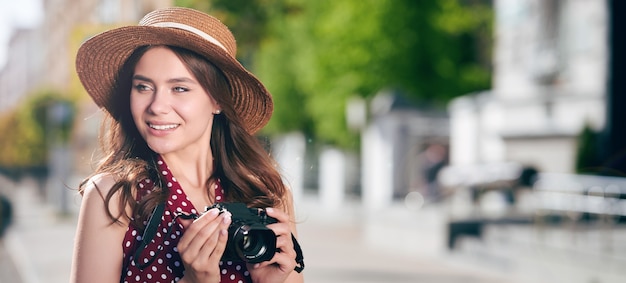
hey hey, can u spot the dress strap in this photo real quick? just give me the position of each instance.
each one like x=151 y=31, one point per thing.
x=219 y=191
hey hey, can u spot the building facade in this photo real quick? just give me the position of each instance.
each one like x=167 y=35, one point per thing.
x=549 y=81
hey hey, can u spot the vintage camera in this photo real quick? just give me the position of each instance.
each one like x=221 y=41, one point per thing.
x=248 y=237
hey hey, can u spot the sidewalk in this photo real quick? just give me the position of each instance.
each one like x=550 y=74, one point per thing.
x=40 y=241
x=350 y=247
x=336 y=249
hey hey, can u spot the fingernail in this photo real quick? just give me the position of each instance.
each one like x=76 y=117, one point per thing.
x=224 y=232
x=257 y=265
x=213 y=212
x=269 y=210
x=227 y=217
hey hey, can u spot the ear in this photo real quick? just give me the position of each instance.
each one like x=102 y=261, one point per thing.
x=217 y=109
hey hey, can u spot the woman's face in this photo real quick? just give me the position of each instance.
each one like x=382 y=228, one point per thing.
x=171 y=110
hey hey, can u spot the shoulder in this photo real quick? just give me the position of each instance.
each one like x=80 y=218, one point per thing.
x=99 y=184
x=99 y=194
x=97 y=252
x=99 y=200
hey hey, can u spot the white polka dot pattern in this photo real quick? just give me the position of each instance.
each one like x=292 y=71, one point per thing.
x=166 y=265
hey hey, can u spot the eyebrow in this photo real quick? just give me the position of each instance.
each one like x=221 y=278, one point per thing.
x=172 y=80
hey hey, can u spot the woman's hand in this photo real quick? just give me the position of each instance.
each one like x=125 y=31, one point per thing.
x=283 y=263
x=202 y=246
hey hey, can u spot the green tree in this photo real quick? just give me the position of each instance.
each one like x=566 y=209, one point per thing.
x=323 y=52
x=29 y=126
x=314 y=55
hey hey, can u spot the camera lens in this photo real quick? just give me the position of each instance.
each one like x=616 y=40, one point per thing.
x=246 y=242
x=254 y=244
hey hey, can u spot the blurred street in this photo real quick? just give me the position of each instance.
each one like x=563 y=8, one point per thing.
x=347 y=247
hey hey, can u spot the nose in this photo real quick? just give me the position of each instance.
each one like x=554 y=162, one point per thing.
x=160 y=103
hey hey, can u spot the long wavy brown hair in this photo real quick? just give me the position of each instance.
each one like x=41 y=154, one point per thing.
x=246 y=171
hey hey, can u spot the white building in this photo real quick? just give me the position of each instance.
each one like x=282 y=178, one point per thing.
x=550 y=72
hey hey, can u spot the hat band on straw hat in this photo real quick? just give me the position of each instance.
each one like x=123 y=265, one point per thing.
x=189 y=29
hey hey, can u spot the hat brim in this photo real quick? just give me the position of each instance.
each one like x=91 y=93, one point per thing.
x=100 y=59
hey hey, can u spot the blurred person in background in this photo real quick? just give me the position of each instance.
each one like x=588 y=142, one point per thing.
x=180 y=114
x=434 y=158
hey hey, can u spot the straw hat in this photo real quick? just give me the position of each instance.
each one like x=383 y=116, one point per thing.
x=100 y=58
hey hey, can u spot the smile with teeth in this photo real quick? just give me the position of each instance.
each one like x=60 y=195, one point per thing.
x=164 y=127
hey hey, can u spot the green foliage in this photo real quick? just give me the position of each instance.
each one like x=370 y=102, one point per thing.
x=314 y=55
x=588 y=160
x=22 y=143
x=321 y=53
x=27 y=131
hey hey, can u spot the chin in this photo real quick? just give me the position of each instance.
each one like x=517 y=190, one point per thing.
x=161 y=149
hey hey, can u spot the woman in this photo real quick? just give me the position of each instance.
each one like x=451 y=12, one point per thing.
x=181 y=113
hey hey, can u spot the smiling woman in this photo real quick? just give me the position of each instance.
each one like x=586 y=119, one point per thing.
x=179 y=136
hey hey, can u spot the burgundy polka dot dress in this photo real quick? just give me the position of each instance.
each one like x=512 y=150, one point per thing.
x=160 y=261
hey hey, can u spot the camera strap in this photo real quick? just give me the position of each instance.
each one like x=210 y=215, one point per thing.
x=299 y=257
x=149 y=233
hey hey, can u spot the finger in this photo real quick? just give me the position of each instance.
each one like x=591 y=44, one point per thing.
x=197 y=232
x=211 y=251
x=220 y=247
x=214 y=246
x=198 y=223
x=285 y=263
x=186 y=222
x=200 y=253
x=278 y=214
x=285 y=252
x=193 y=229
x=284 y=244
x=280 y=229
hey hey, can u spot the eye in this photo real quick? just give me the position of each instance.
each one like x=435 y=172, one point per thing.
x=142 y=87
x=180 y=89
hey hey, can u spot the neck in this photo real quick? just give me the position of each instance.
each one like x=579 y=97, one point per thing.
x=191 y=170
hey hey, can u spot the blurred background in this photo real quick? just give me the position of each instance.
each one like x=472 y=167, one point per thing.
x=424 y=141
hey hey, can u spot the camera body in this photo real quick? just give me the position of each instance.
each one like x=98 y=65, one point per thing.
x=249 y=239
